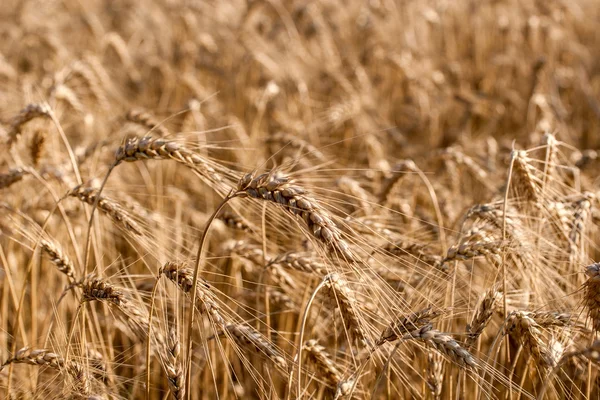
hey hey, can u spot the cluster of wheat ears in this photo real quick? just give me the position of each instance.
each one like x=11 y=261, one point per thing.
x=280 y=199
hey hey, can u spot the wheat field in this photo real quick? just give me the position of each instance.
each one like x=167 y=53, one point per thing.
x=287 y=199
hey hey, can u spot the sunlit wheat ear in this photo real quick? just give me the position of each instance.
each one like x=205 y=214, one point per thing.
x=443 y=343
x=147 y=121
x=250 y=339
x=32 y=111
x=484 y=312
x=341 y=296
x=525 y=331
x=12 y=176
x=476 y=243
x=59 y=258
x=407 y=323
x=303 y=261
x=136 y=316
x=173 y=366
x=107 y=205
x=525 y=178
x=591 y=297
x=149 y=148
x=323 y=363
x=47 y=358
x=183 y=277
x=435 y=374
x=279 y=189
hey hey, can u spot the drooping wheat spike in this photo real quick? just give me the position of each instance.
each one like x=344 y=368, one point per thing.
x=415 y=250
x=91 y=80
x=146 y=120
x=323 y=363
x=173 y=367
x=400 y=170
x=97 y=289
x=352 y=189
x=234 y=221
x=32 y=111
x=252 y=340
x=461 y=158
x=525 y=177
x=525 y=331
x=341 y=296
x=593 y=352
x=443 y=343
x=407 y=323
x=547 y=319
x=66 y=94
x=107 y=205
x=483 y=314
x=254 y=254
x=295 y=143
x=136 y=149
x=37 y=146
x=435 y=374
x=279 y=189
x=591 y=296
x=59 y=258
x=47 y=358
x=183 y=277
x=302 y=261
x=468 y=250
x=281 y=300
x=13 y=176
